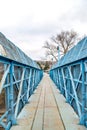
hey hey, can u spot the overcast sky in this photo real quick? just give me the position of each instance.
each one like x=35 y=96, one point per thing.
x=29 y=23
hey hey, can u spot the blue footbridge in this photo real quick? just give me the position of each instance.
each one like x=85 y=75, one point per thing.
x=34 y=100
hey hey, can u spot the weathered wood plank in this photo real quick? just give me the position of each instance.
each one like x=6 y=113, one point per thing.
x=52 y=120
x=38 y=122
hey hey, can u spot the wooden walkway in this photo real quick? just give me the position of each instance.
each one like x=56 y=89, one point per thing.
x=47 y=110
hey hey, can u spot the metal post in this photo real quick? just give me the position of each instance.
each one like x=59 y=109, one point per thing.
x=82 y=120
x=58 y=53
x=11 y=96
x=65 y=87
x=7 y=93
x=28 y=92
x=31 y=80
x=34 y=80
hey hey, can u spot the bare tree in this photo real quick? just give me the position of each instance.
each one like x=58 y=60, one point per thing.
x=51 y=50
x=65 y=41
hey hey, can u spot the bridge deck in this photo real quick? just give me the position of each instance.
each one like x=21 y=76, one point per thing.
x=47 y=110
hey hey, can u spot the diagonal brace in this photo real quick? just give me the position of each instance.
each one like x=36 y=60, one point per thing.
x=4 y=78
x=75 y=94
x=18 y=100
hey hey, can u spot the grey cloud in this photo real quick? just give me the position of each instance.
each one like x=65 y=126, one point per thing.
x=38 y=30
x=77 y=13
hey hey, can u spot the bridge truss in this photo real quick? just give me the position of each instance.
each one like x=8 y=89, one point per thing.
x=19 y=82
x=70 y=76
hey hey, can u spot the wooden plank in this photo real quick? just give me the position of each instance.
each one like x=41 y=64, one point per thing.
x=52 y=120
x=38 y=122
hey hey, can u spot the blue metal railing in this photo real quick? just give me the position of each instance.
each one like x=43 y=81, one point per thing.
x=18 y=81
x=70 y=76
x=71 y=80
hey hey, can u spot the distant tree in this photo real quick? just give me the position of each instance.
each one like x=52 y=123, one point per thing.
x=51 y=50
x=64 y=40
x=39 y=64
x=47 y=66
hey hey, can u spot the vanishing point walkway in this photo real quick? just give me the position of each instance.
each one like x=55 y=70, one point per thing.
x=47 y=110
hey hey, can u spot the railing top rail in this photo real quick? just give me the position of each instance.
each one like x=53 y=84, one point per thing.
x=77 y=53
x=12 y=52
x=16 y=63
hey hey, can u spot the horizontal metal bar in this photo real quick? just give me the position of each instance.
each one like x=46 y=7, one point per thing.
x=8 y=61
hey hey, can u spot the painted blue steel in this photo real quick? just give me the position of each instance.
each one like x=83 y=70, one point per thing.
x=70 y=77
x=75 y=54
x=11 y=87
x=83 y=117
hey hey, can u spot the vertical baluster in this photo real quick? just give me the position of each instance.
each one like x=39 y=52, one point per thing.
x=11 y=96
x=83 y=115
